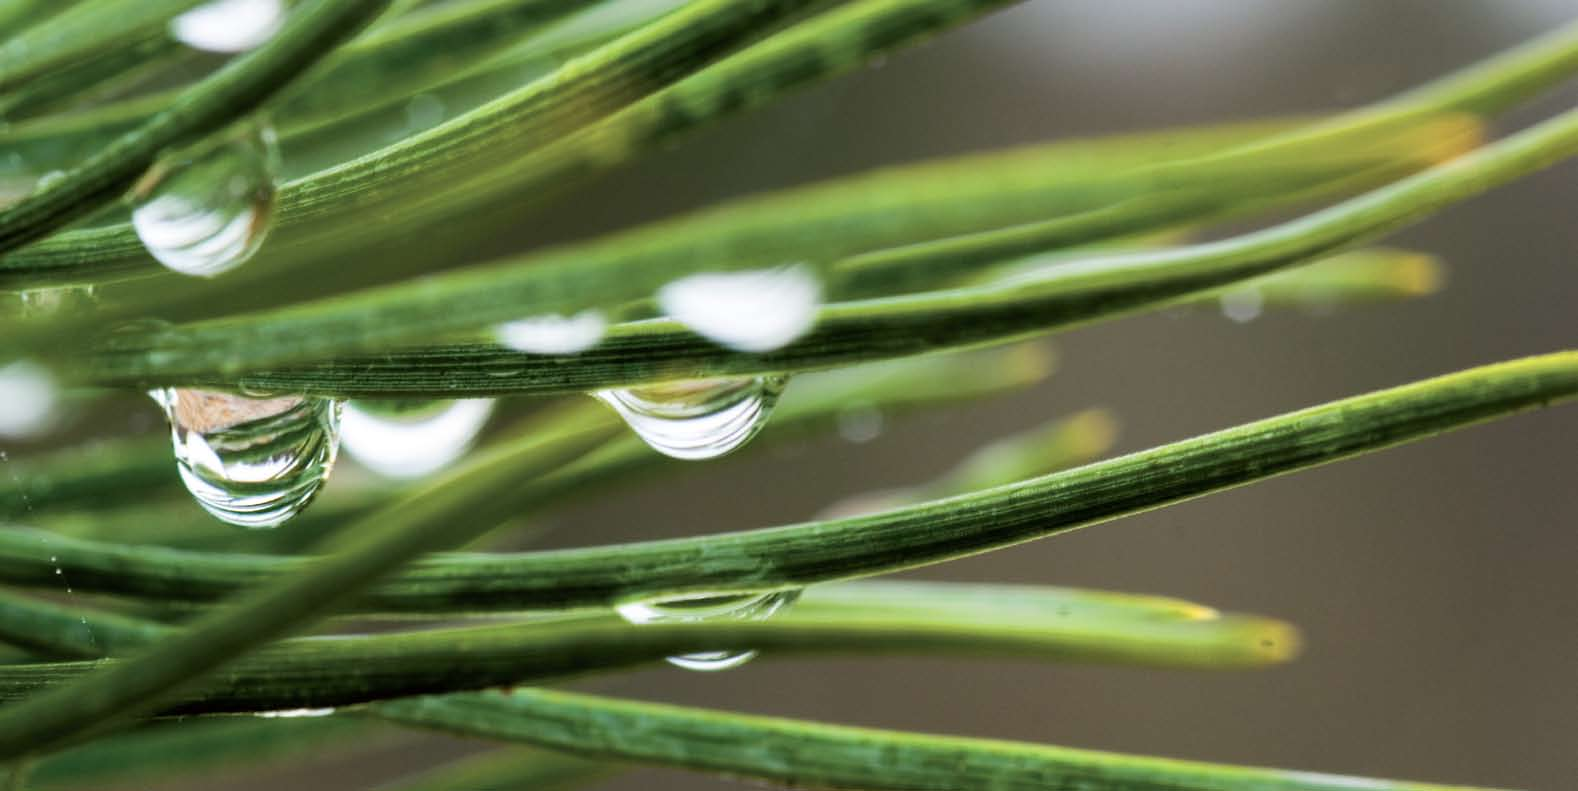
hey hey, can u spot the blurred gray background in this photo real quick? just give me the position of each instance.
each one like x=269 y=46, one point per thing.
x=1437 y=584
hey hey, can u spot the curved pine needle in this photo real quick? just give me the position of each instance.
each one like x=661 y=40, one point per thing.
x=450 y=154
x=153 y=755
x=1019 y=622
x=1103 y=286
x=401 y=57
x=308 y=34
x=815 y=755
x=79 y=31
x=803 y=554
x=113 y=473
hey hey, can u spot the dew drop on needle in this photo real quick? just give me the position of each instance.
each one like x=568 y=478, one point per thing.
x=697 y=419
x=252 y=462
x=410 y=440
x=709 y=608
x=204 y=211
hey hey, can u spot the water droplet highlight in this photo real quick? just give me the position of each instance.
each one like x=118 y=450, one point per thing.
x=697 y=419
x=414 y=441
x=205 y=211
x=294 y=713
x=1243 y=305
x=702 y=608
x=252 y=462
x=553 y=334
x=753 y=311
x=229 y=25
x=27 y=400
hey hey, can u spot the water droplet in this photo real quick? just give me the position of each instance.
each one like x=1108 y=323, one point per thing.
x=701 y=608
x=697 y=419
x=27 y=400
x=1242 y=305
x=205 y=211
x=229 y=25
x=48 y=180
x=293 y=713
x=554 y=334
x=251 y=462
x=413 y=442
x=424 y=111
x=753 y=311
x=860 y=424
x=51 y=301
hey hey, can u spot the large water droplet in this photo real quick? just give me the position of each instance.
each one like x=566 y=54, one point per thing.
x=27 y=400
x=415 y=440
x=229 y=25
x=697 y=419
x=205 y=211
x=754 y=311
x=553 y=334
x=253 y=462
x=706 y=608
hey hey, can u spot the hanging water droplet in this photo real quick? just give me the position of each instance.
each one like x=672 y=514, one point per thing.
x=701 y=608
x=248 y=461
x=697 y=419
x=27 y=400
x=1242 y=305
x=229 y=25
x=411 y=440
x=553 y=334
x=754 y=311
x=205 y=211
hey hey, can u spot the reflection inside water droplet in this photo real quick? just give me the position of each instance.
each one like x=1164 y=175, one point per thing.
x=755 y=311
x=229 y=25
x=702 y=608
x=253 y=462
x=414 y=440
x=553 y=334
x=697 y=419
x=204 y=212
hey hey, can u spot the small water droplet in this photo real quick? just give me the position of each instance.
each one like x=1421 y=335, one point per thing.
x=205 y=211
x=229 y=25
x=860 y=424
x=1242 y=305
x=51 y=301
x=752 y=311
x=701 y=608
x=414 y=442
x=27 y=400
x=251 y=462
x=697 y=419
x=293 y=713
x=424 y=111
x=553 y=334
x=48 y=180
